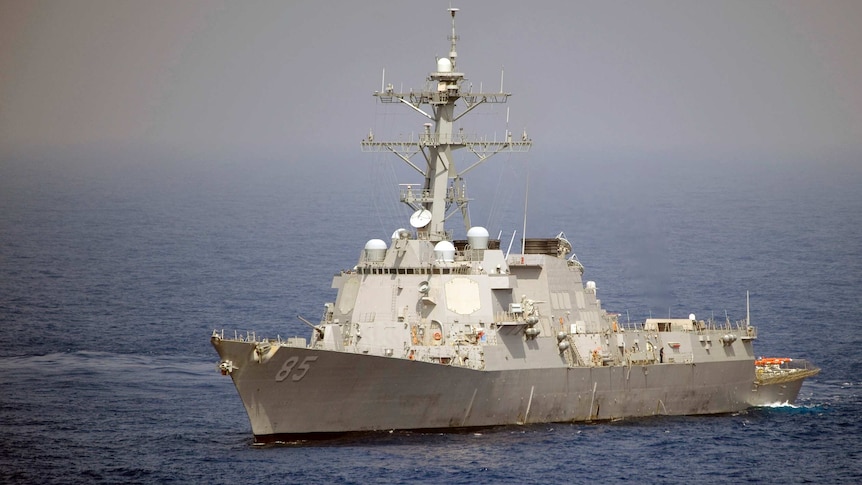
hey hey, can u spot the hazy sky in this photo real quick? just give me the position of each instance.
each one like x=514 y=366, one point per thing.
x=288 y=78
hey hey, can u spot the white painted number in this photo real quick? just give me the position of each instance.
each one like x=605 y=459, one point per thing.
x=288 y=368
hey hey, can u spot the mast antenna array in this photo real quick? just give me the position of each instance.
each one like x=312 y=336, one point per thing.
x=453 y=53
x=444 y=191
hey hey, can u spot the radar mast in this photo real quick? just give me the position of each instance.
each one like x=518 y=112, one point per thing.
x=444 y=187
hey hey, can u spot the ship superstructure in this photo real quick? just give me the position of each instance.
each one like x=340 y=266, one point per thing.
x=429 y=332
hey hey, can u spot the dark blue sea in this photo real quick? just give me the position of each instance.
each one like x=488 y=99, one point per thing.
x=115 y=267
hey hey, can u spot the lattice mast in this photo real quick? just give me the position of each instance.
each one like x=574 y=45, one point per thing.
x=444 y=190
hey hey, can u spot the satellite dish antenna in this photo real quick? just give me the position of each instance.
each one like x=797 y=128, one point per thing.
x=420 y=218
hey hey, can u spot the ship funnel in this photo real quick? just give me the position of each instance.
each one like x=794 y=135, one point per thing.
x=375 y=250
x=444 y=251
x=477 y=237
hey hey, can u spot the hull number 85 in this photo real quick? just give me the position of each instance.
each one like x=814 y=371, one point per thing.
x=295 y=372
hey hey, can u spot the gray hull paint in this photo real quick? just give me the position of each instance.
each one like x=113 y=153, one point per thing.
x=346 y=392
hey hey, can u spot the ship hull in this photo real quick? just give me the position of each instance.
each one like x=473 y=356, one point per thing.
x=771 y=394
x=300 y=392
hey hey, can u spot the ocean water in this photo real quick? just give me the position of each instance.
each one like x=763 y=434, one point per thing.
x=115 y=269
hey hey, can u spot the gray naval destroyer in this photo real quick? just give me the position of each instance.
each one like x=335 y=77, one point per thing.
x=430 y=333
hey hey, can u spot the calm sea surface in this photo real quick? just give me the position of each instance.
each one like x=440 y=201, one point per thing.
x=113 y=274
